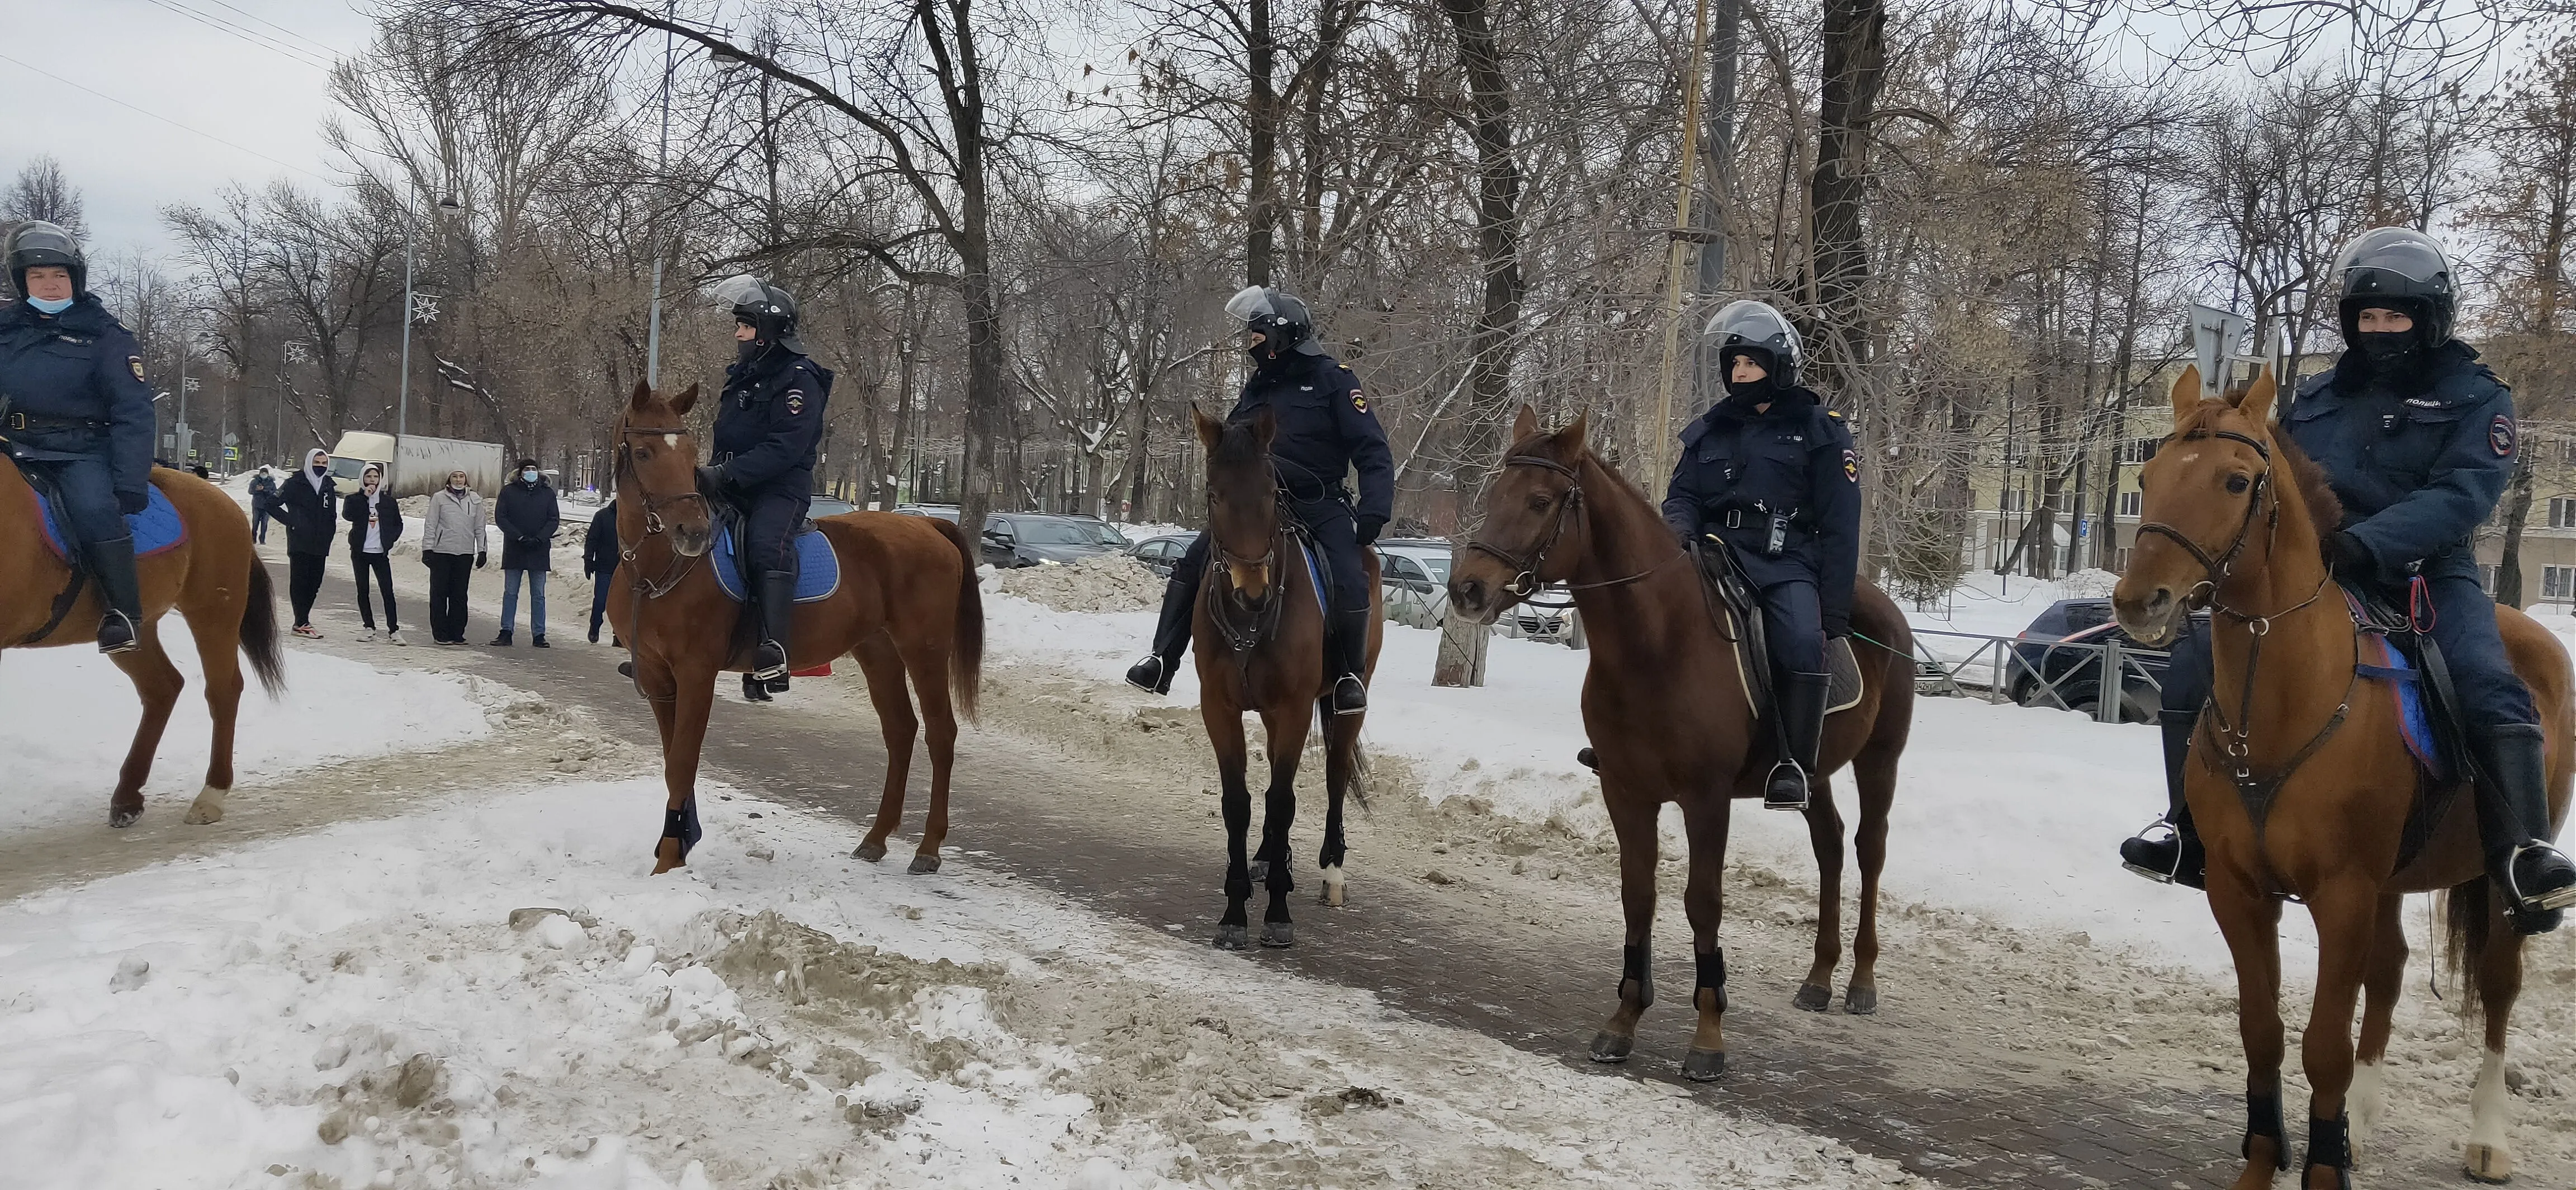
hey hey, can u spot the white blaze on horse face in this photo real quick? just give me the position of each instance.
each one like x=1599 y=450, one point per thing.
x=671 y=440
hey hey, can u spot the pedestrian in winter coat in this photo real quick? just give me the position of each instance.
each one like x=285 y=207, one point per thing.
x=309 y=502
x=599 y=561
x=528 y=515
x=375 y=524
x=263 y=502
x=452 y=546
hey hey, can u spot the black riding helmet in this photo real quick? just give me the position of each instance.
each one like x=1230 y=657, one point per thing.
x=2397 y=268
x=1748 y=327
x=41 y=243
x=1284 y=322
x=765 y=308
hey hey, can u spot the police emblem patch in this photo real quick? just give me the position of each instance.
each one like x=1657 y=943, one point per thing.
x=1851 y=466
x=135 y=362
x=795 y=402
x=1358 y=401
x=2500 y=435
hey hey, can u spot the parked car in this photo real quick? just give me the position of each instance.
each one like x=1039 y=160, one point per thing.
x=1161 y=554
x=1413 y=578
x=945 y=512
x=2058 y=662
x=821 y=505
x=1030 y=538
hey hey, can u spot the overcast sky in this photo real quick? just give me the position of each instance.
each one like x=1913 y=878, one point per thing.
x=224 y=85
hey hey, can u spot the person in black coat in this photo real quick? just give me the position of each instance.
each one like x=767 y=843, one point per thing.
x=375 y=524
x=308 y=502
x=263 y=500
x=768 y=429
x=527 y=515
x=599 y=561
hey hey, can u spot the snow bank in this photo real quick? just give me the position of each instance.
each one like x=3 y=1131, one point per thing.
x=1104 y=583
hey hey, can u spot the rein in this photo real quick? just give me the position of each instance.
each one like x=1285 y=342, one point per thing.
x=1525 y=580
x=1260 y=617
x=677 y=571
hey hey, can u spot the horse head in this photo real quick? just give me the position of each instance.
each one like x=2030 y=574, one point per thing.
x=1528 y=517
x=2201 y=498
x=657 y=468
x=1243 y=498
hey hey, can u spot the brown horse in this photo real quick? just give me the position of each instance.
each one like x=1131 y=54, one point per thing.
x=1664 y=703
x=907 y=606
x=2221 y=525
x=1258 y=635
x=214 y=580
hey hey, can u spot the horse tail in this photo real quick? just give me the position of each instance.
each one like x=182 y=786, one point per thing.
x=966 y=646
x=2469 y=914
x=259 y=639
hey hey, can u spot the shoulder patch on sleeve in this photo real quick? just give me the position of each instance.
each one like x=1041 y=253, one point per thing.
x=2500 y=435
x=1851 y=465
x=1359 y=400
x=795 y=402
x=135 y=362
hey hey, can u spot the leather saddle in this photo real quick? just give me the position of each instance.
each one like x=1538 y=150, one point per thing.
x=1733 y=603
x=2408 y=663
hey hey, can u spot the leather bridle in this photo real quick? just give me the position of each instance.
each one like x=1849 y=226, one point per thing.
x=1259 y=617
x=681 y=564
x=1525 y=567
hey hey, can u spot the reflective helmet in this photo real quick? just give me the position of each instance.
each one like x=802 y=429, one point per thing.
x=41 y=243
x=765 y=308
x=2397 y=268
x=1283 y=320
x=1751 y=326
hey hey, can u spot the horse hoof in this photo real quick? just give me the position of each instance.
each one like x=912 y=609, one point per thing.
x=2489 y=1165
x=1813 y=998
x=1611 y=1047
x=1333 y=897
x=1278 y=935
x=1860 y=1001
x=1230 y=937
x=120 y=819
x=871 y=852
x=203 y=816
x=923 y=865
x=1703 y=1066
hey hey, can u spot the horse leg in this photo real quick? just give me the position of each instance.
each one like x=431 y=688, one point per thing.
x=1341 y=768
x=2251 y=923
x=928 y=661
x=1875 y=772
x=1285 y=732
x=1825 y=833
x=2380 y=984
x=884 y=669
x=1632 y=819
x=695 y=700
x=157 y=683
x=1225 y=734
x=219 y=653
x=1705 y=899
x=2490 y=1157
x=2347 y=917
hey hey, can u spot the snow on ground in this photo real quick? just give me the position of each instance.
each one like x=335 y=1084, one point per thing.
x=368 y=1006
x=67 y=716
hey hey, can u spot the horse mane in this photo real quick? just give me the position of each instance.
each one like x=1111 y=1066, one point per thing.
x=2316 y=493
x=1238 y=445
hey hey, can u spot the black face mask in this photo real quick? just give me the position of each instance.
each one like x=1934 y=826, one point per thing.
x=2388 y=349
x=749 y=350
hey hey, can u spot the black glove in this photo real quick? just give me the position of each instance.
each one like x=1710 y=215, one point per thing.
x=1837 y=627
x=1370 y=527
x=713 y=479
x=2349 y=558
x=480 y=558
x=130 y=503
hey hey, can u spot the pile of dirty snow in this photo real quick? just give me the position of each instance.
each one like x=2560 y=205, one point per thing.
x=1107 y=583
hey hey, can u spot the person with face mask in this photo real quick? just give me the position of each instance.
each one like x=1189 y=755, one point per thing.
x=527 y=514
x=1771 y=473
x=308 y=502
x=375 y=523
x=599 y=563
x=263 y=499
x=451 y=545
x=2417 y=439
x=769 y=427
x=1326 y=432
x=76 y=415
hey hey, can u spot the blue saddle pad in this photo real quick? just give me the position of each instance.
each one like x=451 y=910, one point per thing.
x=2384 y=662
x=818 y=569
x=155 y=529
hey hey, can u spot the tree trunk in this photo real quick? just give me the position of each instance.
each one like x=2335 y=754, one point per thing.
x=1855 y=67
x=2517 y=510
x=1261 y=111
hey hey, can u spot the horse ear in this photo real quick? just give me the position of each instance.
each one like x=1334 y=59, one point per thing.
x=1211 y=431
x=1265 y=427
x=2256 y=402
x=1524 y=427
x=1572 y=440
x=643 y=398
x=688 y=397
x=2186 y=393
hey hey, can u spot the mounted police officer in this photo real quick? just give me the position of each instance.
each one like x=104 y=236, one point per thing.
x=1325 y=431
x=1771 y=473
x=77 y=415
x=2417 y=439
x=768 y=428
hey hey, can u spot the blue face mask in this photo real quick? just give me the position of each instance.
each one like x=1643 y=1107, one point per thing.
x=530 y=476
x=50 y=306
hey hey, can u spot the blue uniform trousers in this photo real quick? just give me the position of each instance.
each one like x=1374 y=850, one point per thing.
x=88 y=499
x=2464 y=626
x=1337 y=537
x=769 y=531
x=1793 y=623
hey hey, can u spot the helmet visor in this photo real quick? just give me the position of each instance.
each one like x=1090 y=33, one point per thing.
x=742 y=289
x=1248 y=303
x=2401 y=250
x=1755 y=323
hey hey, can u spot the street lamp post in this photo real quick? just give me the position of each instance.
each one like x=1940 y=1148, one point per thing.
x=661 y=172
x=402 y=414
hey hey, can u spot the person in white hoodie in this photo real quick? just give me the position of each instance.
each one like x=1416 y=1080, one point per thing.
x=375 y=524
x=452 y=545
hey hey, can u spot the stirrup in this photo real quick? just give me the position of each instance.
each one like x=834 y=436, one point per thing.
x=1354 y=706
x=2533 y=915
x=2172 y=837
x=1770 y=802
x=763 y=669
x=109 y=642
x=1151 y=675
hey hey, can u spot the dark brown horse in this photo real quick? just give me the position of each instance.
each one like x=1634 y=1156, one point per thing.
x=1665 y=705
x=907 y=606
x=1258 y=635
x=214 y=580
x=2340 y=779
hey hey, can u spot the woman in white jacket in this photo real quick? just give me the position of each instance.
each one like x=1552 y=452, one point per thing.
x=452 y=545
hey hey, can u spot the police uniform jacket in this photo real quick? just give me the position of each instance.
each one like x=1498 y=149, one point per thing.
x=74 y=388
x=1325 y=430
x=771 y=423
x=2418 y=461
x=1739 y=467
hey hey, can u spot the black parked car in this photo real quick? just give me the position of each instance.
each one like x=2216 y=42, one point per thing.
x=1029 y=538
x=1160 y=554
x=2058 y=662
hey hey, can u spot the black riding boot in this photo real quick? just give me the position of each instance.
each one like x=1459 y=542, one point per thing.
x=1153 y=675
x=1801 y=710
x=2169 y=850
x=1347 y=644
x=112 y=564
x=2513 y=824
x=777 y=610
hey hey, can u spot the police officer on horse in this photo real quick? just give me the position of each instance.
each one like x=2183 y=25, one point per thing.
x=768 y=428
x=1325 y=431
x=77 y=416
x=2417 y=439
x=1770 y=472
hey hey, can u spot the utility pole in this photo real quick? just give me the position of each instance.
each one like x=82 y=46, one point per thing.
x=1658 y=433
x=402 y=414
x=661 y=171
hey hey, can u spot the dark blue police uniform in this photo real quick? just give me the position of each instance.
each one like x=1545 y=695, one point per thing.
x=79 y=411
x=766 y=435
x=1744 y=476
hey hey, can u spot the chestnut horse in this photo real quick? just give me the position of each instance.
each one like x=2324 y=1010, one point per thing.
x=2223 y=525
x=907 y=606
x=1664 y=703
x=214 y=580
x=1258 y=636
